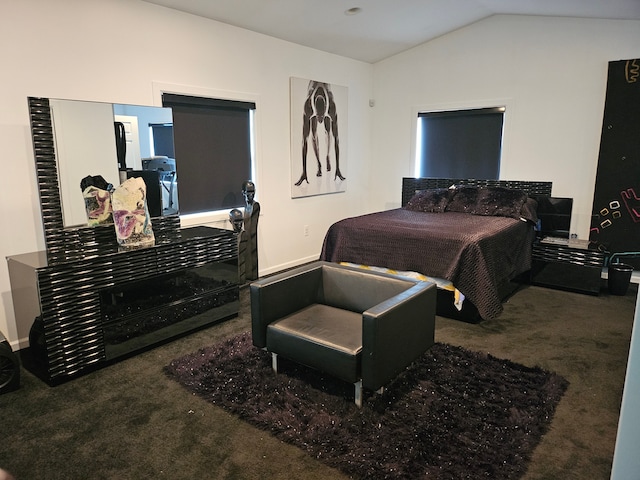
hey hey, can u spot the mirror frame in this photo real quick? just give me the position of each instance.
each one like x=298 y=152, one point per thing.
x=66 y=244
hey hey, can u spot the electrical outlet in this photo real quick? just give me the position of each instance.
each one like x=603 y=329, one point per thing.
x=306 y=230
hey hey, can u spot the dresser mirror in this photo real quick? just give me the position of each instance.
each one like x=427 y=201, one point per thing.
x=75 y=139
x=89 y=136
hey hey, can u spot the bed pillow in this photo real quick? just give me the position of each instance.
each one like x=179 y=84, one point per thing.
x=529 y=211
x=500 y=202
x=432 y=200
x=463 y=199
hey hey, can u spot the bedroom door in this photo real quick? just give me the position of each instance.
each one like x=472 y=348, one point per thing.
x=133 y=159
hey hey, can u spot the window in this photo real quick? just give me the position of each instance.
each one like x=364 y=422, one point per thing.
x=460 y=143
x=213 y=148
x=162 y=140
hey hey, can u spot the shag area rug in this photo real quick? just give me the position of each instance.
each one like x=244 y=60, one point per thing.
x=453 y=414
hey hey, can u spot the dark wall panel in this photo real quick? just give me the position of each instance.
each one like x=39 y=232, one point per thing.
x=616 y=204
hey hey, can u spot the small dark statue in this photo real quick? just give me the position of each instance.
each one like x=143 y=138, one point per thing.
x=251 y=215
x=236 y=217
x=246 y=228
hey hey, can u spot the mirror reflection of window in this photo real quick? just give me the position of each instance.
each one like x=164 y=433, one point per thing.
x=162 y=140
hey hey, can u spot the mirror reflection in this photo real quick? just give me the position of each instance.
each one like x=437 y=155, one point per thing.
x=116 y=142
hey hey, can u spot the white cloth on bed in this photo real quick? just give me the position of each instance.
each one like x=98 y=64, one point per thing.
x=441 y=283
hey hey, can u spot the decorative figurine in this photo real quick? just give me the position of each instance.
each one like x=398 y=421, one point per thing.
x=237 y=218
x=251 y=216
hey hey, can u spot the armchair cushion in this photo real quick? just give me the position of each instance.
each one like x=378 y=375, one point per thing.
x=322 y=337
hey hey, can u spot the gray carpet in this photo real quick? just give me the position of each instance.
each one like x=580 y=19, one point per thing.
x=129 y=421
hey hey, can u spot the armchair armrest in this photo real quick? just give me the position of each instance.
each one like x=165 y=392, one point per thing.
x=396 y=332
x=280 y=295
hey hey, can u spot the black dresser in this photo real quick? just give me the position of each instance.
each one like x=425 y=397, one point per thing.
x=89 y=311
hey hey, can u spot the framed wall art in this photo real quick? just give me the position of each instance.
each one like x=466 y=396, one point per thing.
x=318 y=138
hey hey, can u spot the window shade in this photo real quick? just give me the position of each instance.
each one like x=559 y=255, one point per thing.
x=213 y=151
x=462 y=143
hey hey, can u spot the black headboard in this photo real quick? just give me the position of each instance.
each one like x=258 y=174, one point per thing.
x=410 y=185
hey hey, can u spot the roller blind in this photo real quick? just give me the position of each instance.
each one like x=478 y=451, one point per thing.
x=212 y=140
x=461 y=143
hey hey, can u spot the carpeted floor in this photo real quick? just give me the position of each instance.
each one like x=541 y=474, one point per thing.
x=130 y=421
x=452 y=414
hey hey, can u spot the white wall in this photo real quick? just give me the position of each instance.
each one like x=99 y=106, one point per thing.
x=120 y=51
x=550 y=72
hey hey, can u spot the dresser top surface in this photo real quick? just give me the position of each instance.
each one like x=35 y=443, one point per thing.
x=39 y=259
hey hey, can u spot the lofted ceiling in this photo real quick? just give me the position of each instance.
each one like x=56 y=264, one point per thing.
x=372 y=30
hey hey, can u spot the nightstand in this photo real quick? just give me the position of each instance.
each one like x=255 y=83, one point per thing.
x=567 y=264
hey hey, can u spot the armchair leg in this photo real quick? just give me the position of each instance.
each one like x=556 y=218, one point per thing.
x=358 y=398
x=274 y=362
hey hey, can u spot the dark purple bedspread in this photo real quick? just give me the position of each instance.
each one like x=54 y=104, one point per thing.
x=477 y=253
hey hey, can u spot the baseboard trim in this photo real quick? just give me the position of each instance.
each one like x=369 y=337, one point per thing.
x=288 y=265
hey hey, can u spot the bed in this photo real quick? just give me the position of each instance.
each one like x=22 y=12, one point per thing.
x=476 y=237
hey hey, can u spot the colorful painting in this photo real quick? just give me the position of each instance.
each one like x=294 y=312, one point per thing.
x=616 y=204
